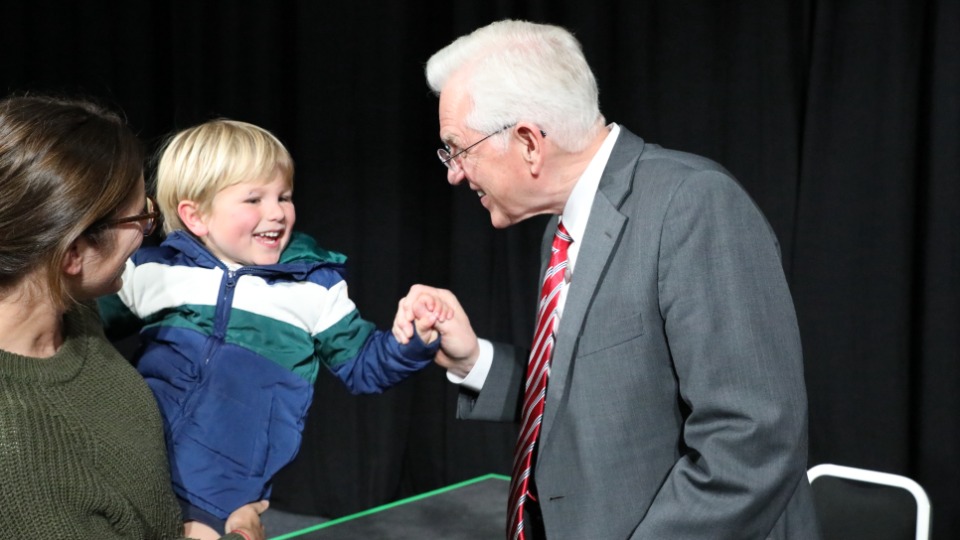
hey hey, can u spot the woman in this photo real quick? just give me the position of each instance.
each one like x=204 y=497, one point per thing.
x=81 y=444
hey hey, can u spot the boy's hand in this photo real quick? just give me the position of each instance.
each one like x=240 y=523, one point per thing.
x=419 y=312
x=459 y=347
x=428 y=311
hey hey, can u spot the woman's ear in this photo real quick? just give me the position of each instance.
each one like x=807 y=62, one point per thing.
x=73 y=260
x=77 y=254
x=192 y=218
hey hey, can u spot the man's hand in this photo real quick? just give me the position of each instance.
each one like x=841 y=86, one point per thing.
x=428 y=311
x=458 y=342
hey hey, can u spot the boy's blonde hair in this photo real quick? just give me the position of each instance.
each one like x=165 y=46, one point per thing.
x=198 y=162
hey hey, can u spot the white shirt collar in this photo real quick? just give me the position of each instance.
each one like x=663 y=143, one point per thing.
x=576 y=212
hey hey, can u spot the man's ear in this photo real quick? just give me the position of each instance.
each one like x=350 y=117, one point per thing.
x=192 y=218
x=531 y=139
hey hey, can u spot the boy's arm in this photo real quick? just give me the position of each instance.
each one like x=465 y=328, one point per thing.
x=368 y=360
x=365 y=359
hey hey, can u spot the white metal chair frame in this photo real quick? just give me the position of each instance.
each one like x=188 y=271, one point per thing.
x=875 y=477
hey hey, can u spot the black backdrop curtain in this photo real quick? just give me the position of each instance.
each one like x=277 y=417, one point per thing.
x=841 y=118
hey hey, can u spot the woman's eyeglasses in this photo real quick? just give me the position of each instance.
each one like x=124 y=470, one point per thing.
x=148 y=219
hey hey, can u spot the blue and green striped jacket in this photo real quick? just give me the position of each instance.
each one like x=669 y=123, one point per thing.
x=232 y=354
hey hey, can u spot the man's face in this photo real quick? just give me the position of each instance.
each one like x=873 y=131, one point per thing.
x=494 y=174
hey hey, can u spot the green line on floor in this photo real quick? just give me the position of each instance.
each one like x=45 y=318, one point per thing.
x=388 y=506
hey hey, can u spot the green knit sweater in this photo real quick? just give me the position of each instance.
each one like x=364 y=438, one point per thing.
x=81 y=445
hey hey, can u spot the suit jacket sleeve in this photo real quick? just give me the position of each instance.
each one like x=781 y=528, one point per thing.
x=500 y=399
x=732 y=333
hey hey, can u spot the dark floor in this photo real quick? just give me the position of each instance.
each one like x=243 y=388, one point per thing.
x=471 y=510
x=279 y=523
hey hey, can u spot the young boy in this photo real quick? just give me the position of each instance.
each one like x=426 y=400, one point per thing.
x=237 y=313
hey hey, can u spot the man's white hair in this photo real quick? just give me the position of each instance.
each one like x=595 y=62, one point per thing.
x=523 y=71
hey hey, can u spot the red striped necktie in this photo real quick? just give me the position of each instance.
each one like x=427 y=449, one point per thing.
x=538 y=369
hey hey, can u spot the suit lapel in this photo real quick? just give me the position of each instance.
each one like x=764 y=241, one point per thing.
x=600 y=239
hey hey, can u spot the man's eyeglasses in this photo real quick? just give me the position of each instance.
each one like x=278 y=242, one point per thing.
x=452 y=162
x=148 y=218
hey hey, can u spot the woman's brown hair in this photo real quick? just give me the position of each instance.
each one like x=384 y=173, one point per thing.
x=65 y=165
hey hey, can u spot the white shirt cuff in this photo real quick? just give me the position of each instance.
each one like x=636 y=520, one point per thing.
x=475 y=379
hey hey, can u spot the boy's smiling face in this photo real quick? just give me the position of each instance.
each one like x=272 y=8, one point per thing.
x=249 y=223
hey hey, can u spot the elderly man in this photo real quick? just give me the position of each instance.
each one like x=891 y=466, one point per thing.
x=663 y=394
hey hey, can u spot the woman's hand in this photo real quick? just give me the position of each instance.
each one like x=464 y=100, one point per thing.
x=246 y=520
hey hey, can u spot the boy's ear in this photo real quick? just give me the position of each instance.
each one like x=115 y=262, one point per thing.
x=191 y=217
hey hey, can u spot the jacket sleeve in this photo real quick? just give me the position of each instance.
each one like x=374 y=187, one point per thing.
x=499 y=400
x=367 y=360
x=733 y=337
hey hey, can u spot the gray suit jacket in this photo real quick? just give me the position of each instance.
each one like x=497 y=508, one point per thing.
x=676 y=406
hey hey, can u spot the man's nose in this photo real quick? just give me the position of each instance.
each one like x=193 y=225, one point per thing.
x=454 y=177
